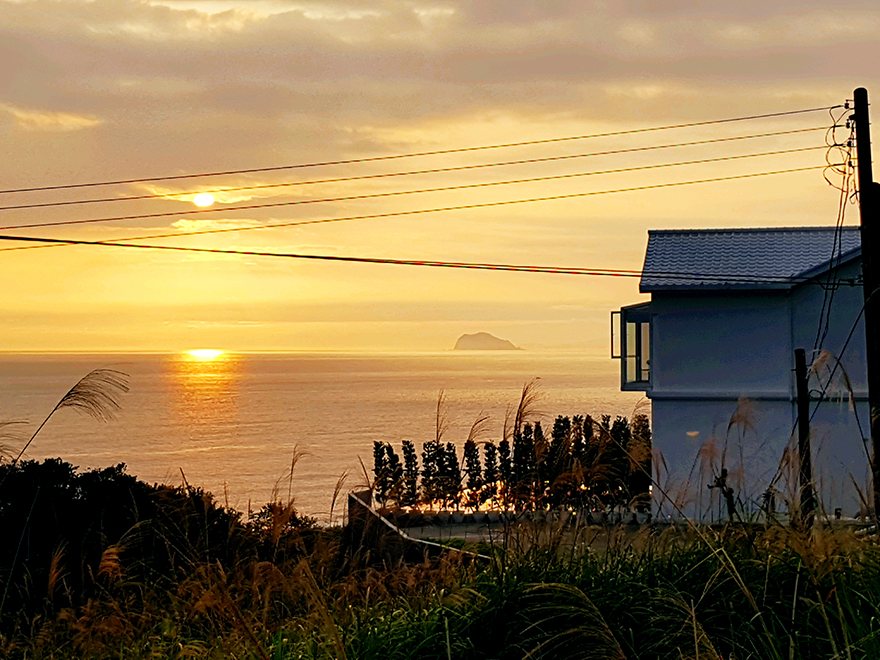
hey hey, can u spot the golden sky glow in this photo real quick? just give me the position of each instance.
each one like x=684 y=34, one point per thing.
x=112 y=90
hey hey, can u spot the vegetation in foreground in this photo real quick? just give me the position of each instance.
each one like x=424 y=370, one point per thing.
x=100 y=565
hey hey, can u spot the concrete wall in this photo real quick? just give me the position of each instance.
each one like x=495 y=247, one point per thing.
x=708 y=344
x=723 y=393
x=806 y=303
x=694 y=439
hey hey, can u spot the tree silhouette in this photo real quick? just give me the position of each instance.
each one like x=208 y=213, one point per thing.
x=380 y=471
x=584 y=464
x=474 y=471
x=450 y=474
x=431 y=466
x=410 y=493
x=491 y=476
x=395 y=473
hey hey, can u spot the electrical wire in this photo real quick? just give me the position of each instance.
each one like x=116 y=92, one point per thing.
x=837 y=363
x=714 y=278
x=437 y=170
x=556 y=270
x=847 y=171
x=391 y=214
x=438 y=152
x=349 y=198
x=844 y=150
x=410 y=212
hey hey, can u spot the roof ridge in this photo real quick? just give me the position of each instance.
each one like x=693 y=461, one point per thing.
x=751 y=230
x=753 y=258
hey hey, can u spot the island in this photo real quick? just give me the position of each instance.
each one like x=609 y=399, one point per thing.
x=483 y=341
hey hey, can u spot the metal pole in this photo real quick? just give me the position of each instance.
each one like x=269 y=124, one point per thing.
x=803 y=410
x=868 y=196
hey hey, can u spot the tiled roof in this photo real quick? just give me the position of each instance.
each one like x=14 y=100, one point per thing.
x=741 y=258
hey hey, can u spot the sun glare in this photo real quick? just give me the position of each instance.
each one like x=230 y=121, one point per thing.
x=203 y=199
x=205 y=353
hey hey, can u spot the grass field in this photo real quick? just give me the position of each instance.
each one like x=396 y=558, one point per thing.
x=99 y=565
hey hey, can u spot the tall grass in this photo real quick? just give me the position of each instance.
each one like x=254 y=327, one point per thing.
x=191 y=579
x=100 y=565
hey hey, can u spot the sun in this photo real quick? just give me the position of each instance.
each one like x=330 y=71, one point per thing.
x=203 y=199
x=205 y=353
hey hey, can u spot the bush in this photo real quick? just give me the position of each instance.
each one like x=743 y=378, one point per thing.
x=68 y=536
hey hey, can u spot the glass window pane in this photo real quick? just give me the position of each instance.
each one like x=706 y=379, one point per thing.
x=631 y=340
x=630 y=370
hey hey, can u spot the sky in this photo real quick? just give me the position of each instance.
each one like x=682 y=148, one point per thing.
x=111 y=90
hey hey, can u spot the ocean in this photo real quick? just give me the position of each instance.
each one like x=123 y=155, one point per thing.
x=234 y=425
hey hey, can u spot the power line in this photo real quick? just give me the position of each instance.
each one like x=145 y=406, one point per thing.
x=822 y=395
x=349 y=198
x=438 y=170
x=837 y=363
x=555 y=270
x=438 y=152
x=844 y=150
x=463 y=207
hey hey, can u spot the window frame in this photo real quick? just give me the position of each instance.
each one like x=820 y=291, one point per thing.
x=635 y=337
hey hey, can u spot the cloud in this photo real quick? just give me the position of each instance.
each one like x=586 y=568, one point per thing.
x=246 y=191
x=189 y=86
x=340 y=64
x=639 y=34
x=188 y=225
x=185 y=25
x=36 y=120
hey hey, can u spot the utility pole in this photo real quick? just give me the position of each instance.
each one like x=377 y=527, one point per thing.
x=870 y=226
x=808 y=504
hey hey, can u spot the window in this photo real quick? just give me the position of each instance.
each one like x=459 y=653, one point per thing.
x=631 y=343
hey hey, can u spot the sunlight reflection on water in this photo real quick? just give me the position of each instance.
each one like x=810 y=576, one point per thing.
x=204 y=391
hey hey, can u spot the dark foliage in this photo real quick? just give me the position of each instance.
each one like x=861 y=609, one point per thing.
x=450 y=474
x=523 y=459
x=68 y=536
x=583 y=464
x=381 y=472
x=394 y=479
x=472 y=465
x=432 y=464
x=410 y=473
x=505 y=461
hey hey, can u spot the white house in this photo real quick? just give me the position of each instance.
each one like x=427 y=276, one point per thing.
x=713 y=350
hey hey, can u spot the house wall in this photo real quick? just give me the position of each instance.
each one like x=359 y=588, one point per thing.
x=720 y=343
x=694 y=439
x=846 y=304
x=839 y=455
x=723 y=392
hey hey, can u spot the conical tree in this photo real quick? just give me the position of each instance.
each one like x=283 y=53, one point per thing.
x=395 y=473
x=410 y=473
x=474 y=471
x=431 y=455
x=491 y=475
x=380 y=472
x=450 y=474
x=505 y=462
